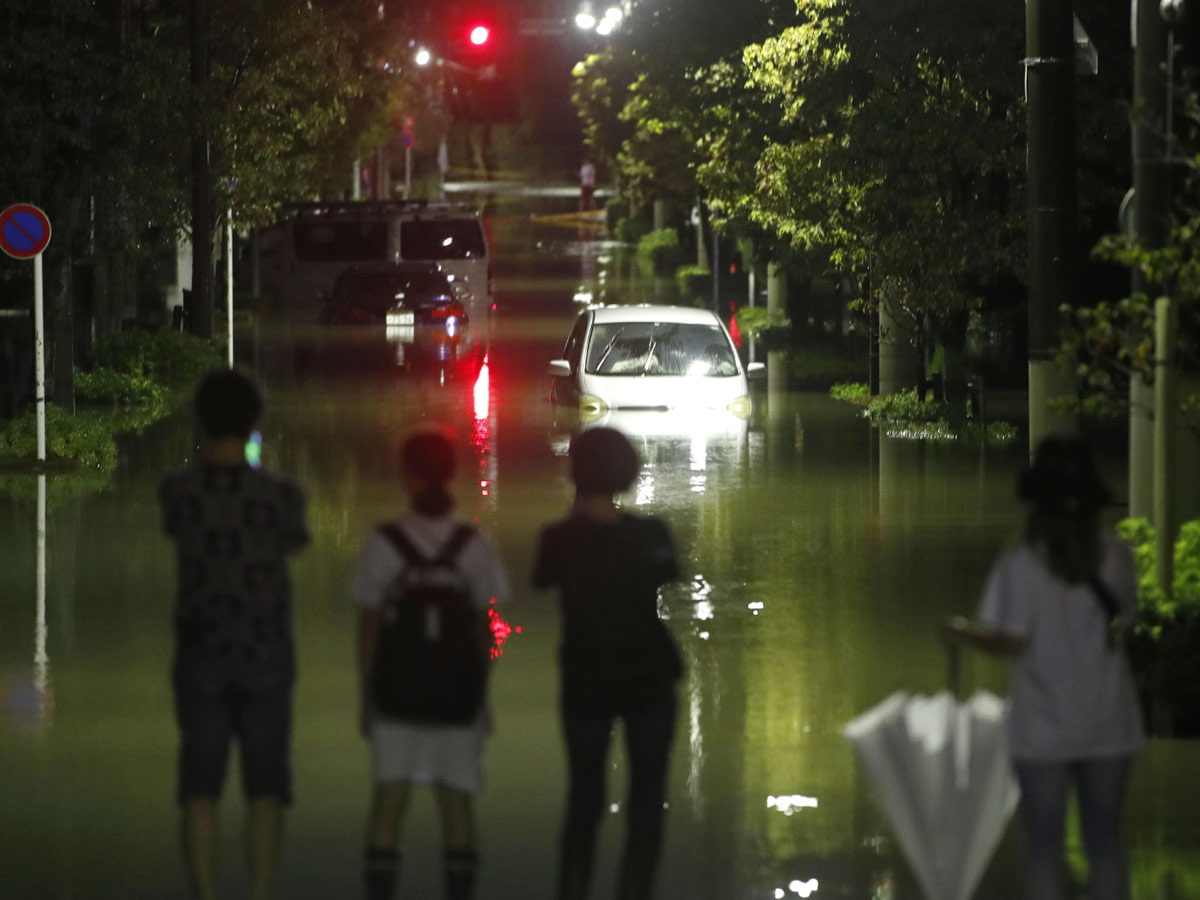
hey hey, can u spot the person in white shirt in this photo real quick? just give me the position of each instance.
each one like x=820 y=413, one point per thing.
x=424 y=747
x=587 y=185
x=1074 y=718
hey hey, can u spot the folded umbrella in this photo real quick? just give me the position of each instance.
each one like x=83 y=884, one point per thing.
x=941 y=772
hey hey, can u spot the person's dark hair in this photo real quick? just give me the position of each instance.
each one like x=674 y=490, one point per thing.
x=603 y=462
x=1065 y=494
x=429 y=455
x=228 y=404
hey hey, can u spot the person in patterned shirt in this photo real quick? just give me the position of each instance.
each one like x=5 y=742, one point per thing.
x=233 y=527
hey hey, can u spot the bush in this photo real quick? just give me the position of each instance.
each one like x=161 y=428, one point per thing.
x=693 y=280
x=172 y=358
x=118 y=388
x=630 y=230
x=855 y=392
x=904 y=408
x=661 y=249
x=1163 y=642
x=86 y=437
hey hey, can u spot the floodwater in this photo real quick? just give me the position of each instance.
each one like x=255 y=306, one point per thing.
x=817 y=559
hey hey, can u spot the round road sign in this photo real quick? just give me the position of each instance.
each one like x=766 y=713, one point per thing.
x=24 y=231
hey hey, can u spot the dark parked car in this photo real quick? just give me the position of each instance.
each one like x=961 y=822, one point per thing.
x=398 y=294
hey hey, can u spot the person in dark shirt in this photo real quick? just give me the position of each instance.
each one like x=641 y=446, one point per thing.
x=618 y=660
x=233 y=527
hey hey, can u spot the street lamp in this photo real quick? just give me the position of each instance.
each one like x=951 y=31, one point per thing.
x=424 y=57
x=585 y=18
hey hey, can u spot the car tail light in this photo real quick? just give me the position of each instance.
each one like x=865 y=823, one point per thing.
x=451 y=310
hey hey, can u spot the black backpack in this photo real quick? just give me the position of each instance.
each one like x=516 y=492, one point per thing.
x=431 y=660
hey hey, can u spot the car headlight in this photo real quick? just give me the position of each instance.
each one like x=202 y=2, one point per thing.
x=740 y=407
x=591 y=408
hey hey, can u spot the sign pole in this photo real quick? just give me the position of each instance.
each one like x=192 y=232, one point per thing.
x=408 y=171
x=39 y=355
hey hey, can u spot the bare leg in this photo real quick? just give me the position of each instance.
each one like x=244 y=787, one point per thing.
x=382 y=859
x=198 y=835
x=458 y=836
x=264 y=833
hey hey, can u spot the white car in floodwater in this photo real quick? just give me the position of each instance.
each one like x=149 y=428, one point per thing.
x=676 y=361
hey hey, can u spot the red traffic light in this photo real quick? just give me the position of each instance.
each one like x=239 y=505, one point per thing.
x=479 y=35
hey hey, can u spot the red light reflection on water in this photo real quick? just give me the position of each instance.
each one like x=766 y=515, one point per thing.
x=483 y=388
x=501 y=630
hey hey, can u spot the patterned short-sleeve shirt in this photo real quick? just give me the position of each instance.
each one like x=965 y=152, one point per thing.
x=233 y=529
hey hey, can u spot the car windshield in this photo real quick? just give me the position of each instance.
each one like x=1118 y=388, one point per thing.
x=660 y=348
x=382 y=290
x=347 y=242
x=441 y=239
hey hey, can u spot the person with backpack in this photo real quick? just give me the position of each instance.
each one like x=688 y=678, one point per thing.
x=617 y=659
x=234 y=527
x=423 y=589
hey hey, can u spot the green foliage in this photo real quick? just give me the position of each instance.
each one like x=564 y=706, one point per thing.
x=756 y=320
x=1163 y=643
x=905 y=408
x=814 y=369
x=103 y=385
x=660 y=248
x=171 y=358
x=85 y=437
x=630 y=230
x=856 y=392
x=693 y=280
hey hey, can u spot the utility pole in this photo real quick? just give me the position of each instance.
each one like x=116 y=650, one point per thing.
x=202 y=212
x=1051 y=229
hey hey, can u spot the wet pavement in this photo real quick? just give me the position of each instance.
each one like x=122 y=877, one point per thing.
x=817 y=559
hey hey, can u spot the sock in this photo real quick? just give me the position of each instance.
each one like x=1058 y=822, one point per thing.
x=381 y=867
x=461 y=866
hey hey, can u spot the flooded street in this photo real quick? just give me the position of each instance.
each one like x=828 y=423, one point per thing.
x=817 y=559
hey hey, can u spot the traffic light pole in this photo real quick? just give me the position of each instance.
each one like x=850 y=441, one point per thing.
x=1051 y=228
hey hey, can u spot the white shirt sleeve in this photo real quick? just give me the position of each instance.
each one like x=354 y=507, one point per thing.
x=488 y=578
x=377 y=568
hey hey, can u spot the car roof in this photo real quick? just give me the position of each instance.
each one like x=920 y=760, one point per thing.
x=647 y=312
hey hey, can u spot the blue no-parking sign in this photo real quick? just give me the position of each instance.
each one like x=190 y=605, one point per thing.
x=24 y=231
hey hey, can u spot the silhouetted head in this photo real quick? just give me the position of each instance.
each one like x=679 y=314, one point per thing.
x=1064 y=493
x=228 y=404
x=427 y=457
x=603 y=462
x=1063 y=480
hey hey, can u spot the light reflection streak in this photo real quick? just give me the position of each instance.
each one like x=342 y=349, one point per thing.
x=791 y=803
x=695 y=744
x=645 y=488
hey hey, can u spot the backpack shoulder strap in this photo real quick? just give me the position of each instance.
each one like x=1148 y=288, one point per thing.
x=400 y=541
x=454 y=544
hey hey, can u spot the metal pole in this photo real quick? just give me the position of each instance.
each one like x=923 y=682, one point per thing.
x=1050 y=92
x=40 y=657
x=407 y=172
x=229 y=284
x=39 y=357
x=1166 y=314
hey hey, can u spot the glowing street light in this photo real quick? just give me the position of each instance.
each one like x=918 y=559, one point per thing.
x=424 y=57
x=586 y=21
x=606 y=26
x=479 y=35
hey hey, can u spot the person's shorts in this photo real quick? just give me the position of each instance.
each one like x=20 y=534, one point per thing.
x=261 y=723
x=451 y=756
x=587 y=191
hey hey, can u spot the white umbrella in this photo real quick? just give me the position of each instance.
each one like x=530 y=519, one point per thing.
x=941 y=772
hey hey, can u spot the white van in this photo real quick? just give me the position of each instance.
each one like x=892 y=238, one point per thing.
x=306 y=253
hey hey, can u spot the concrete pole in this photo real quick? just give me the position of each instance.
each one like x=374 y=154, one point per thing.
x=1150 y=224
x=229 y=286
x=776 y=359
x=1050 y=94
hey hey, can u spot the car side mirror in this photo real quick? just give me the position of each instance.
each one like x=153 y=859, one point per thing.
x=559 y=368
x=756 y=371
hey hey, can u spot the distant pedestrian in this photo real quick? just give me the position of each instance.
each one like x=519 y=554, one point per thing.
x=587 y=185
x=233 y=527
x=1051 y=602
x=618 y=660
x=423 y=590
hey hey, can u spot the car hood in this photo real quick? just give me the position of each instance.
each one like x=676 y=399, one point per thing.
x=649 y=392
